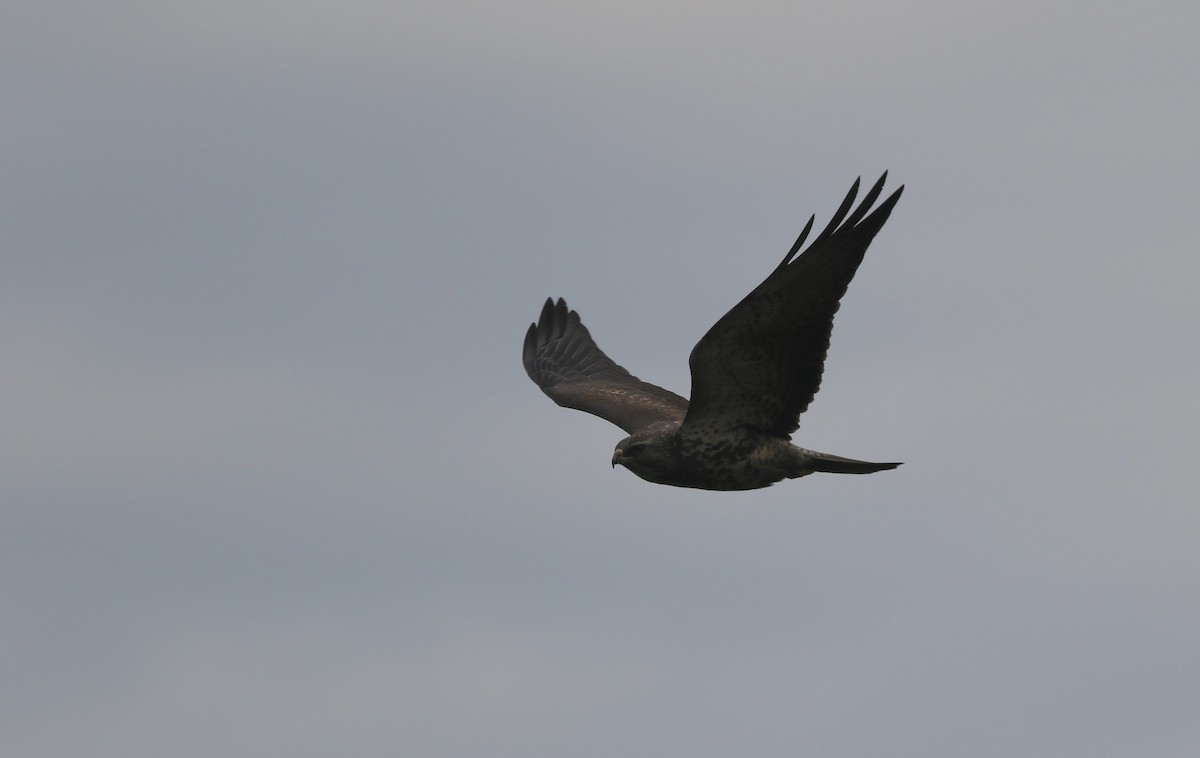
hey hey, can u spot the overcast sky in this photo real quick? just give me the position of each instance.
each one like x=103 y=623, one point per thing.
x=274 y=481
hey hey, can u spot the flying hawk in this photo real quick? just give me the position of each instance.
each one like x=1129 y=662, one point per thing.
x=753 y=373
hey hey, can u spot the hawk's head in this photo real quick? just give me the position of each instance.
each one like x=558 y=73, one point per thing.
x=651 y=453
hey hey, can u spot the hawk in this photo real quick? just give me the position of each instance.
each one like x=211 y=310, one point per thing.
x=753 y=373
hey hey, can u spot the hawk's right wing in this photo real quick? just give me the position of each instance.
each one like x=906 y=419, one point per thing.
x=561 y=357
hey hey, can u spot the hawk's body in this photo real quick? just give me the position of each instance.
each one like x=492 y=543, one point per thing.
x=753 y=373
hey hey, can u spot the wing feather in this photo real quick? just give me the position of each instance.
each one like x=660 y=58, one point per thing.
x=563 y=359
x=760 y=366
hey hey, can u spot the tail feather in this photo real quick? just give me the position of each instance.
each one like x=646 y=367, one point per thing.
x=836 y=464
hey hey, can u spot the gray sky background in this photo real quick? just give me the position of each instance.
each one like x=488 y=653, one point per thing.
x=275 y=483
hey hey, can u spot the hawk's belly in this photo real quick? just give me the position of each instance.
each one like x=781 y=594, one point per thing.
x=752 y=465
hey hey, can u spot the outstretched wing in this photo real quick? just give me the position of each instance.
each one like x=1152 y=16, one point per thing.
x=562 y=359
x=761 y=364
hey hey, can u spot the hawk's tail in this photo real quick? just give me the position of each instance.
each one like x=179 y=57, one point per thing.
x=835 y=464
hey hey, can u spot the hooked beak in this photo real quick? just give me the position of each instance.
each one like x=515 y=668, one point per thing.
x=617 y=458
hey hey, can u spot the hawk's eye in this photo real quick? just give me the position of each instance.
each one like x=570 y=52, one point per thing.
x=633 y=449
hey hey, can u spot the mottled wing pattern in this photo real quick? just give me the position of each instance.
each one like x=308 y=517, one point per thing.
x=561 y=357
x=761 y=364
